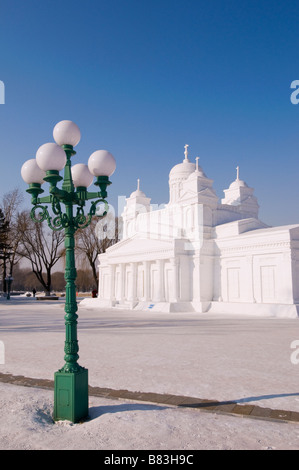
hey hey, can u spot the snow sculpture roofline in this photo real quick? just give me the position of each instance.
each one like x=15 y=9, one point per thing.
x=138 y=192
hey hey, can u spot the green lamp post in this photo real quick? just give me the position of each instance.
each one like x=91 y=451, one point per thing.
x=8 y=280
x=71 y=381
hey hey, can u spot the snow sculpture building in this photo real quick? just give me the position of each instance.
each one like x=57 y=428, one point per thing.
x=199 y=254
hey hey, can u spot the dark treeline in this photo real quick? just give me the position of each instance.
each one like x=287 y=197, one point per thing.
x=25 y=280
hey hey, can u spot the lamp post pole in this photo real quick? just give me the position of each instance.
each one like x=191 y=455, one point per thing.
x=9 y=280
x=71 y=381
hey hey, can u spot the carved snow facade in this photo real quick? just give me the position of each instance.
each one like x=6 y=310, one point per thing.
x=199 y=254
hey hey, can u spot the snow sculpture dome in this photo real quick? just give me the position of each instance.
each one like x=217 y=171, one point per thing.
x=136 y=205
x=241 y=195
x=182 y=170
x=197 y=172
x=238 y=184
x=178 y=174
x=137 y=192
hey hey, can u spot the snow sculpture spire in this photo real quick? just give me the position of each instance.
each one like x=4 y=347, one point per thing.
x=186 y=153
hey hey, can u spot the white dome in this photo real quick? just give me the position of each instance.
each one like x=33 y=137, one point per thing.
x=182 y=170
x=198 y=172
x=138 y=193
x=237 y=184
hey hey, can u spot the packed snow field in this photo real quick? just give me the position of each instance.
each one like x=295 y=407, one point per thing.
x=250 y=360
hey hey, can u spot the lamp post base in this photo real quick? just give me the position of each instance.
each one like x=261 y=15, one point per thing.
x=71 y=395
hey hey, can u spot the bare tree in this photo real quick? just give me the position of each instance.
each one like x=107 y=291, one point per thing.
x=95 y=239
x=58 y=281
x=42 y=247
x=84 y=280
x=10 y=206
x=4 y=246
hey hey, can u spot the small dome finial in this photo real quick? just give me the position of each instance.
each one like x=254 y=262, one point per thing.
x=238 y=172
x=196 y=159
x=138 y=184
x=186 y=153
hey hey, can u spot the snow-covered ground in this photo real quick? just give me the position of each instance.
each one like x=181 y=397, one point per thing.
x=235 y=358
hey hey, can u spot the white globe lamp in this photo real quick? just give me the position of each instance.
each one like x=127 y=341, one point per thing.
x=51 y=157
x=32 y=173
x=67 y=133
x=101 y=163
x=81 y=175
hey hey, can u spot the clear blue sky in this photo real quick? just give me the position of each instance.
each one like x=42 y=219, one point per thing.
x=144 y=78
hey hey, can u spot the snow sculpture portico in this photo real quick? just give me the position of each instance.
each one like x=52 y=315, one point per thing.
x=196 y=254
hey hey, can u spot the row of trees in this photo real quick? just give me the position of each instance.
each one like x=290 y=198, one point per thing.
x=42 y=248
x=26 y=280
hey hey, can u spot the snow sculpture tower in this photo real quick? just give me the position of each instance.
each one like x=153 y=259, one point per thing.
x=136 y=204
x=241 y=195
